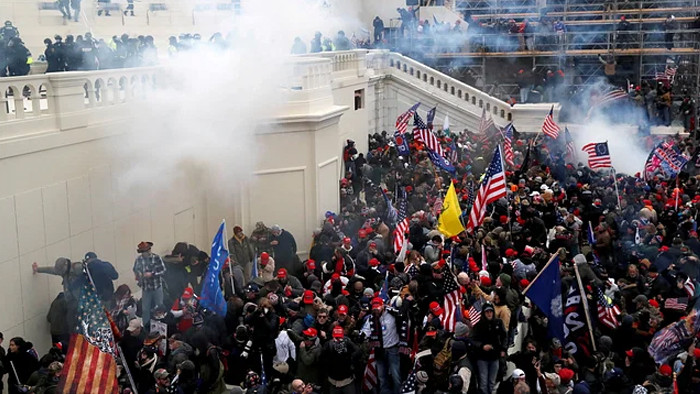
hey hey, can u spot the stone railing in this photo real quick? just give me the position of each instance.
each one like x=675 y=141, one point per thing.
x=345 y=63
x=463 y=95
x=60 y=101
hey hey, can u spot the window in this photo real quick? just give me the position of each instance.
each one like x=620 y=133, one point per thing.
x=359 y=99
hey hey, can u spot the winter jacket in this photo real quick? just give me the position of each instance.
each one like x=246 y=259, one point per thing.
x=241 y=250
x=490 y=332
x=309 y=366
x=285 y=250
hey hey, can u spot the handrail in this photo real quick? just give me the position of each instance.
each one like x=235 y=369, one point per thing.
x=460 y=92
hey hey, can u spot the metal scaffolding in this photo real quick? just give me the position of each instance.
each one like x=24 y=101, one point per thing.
x=641 y=52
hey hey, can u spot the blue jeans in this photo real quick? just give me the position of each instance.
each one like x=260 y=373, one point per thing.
x=149 y=299
x=389 y=369
x=524 y=93
x=487 y=375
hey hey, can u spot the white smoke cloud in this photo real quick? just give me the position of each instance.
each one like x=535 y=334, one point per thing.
x=202 y=123
x=627 y=150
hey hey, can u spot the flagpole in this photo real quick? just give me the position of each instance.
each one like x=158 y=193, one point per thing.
x=540 y=273
x=585 y=306
x=119 y=349
x=617 y=191
x=230 y=262
x=677 y=191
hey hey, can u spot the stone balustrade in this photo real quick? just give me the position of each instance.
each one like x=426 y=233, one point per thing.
x=438 y=83
x=61 y=101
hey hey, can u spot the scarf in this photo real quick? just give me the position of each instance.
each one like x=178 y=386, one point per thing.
x=375 y=328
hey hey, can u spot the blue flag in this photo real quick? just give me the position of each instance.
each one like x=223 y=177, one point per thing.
x=591 y=235
x=212 y=297
x=254 y=272
x=545 y=292
x=401 y=144
x=430 y=117
x=440 y=161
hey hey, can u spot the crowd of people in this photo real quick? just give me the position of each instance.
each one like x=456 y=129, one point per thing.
x=361 y=315
x=86 y=52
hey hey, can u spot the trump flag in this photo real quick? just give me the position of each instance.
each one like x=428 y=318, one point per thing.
x=212 y=297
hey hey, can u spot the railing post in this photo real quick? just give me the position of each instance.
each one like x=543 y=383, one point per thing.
x=68 y=93
x=18 y=98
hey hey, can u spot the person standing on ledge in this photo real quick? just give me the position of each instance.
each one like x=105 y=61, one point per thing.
x=241 y=250
x=284 y=246
x=149 y=270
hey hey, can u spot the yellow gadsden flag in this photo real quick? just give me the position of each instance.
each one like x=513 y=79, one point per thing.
x=449 y=223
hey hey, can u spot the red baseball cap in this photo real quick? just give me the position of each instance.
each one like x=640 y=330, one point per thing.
x=629 y=353
x=308 y=297
x=377 y=303
x=311 y=264
x=346 y=241
x=188 y=293
x=342 y=309
x=264 y=258
x=435 y=308
x=665 y=370
x=373 y=262
x=310 y=332
x=362 y=233
x=338 y=332
x=335 y=277
x=282 y=273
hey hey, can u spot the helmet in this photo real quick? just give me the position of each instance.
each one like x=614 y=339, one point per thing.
x=8 y=23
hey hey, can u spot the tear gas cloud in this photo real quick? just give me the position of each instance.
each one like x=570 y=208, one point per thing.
x=618 y=127
x=201 y=124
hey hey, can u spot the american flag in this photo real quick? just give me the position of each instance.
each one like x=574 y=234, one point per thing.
x=569 y=142
x=492 y=188
x=508 y=145
x=475 y=312
x=402 y=222
x=486 y=123
x=437 y=206
x=370 y=380
x=689 y=287
x=607 y=311
x=669 y=73
x=90 y=365
x=550 y=128
x=598 y=155
x=402 y=120
x=424 y=135
x=679 y=304
x=409 y=386
x=451 y=304
x=605 y=98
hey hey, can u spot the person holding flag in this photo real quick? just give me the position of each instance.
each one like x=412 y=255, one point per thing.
x=493 y=187
x=91 y=345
